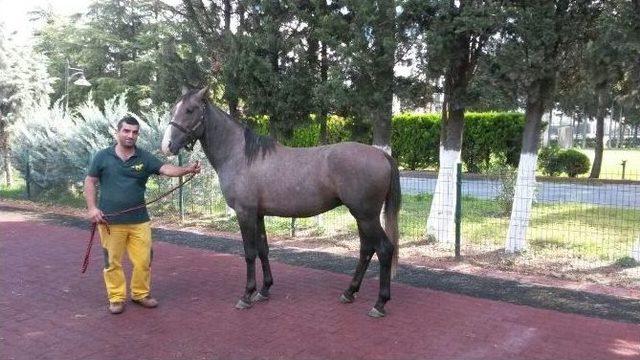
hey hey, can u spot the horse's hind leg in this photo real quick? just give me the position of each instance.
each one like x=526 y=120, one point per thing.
x=263 y=253
x=373 y=233
x=248 y=222
x=366 y=252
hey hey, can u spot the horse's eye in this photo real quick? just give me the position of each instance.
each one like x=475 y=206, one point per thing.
x=189 y=111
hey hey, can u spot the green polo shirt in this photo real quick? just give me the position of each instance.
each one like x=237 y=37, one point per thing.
x=123 y=183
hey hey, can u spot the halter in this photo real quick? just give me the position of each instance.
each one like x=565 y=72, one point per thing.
x=190 y=139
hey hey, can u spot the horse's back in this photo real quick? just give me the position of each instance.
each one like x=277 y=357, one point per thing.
x=307 y=181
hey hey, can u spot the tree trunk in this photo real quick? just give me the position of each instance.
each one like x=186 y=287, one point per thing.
x=620 y=130
x=526 y=180
x=597 y=160
x=322 y=116
x=6 y=165
x=231 y=76
x=384 y=61
x=441 y=220
x=6 y=153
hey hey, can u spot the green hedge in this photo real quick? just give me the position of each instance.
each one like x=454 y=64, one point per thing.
x=415 y=140
x=492 y=137
x=488 y=138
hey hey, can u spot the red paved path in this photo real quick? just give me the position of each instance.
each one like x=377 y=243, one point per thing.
x=50 y=311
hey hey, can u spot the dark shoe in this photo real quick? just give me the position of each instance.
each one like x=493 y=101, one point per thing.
x=116 y=307
x=146 y=301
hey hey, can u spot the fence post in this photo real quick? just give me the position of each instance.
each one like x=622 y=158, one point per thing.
x=624 y=165
x=180 y=192
x=28 y=176
x=458 y=214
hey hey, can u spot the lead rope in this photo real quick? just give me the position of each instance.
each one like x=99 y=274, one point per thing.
x=85 y=261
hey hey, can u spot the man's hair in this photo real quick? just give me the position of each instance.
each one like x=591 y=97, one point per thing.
x=129 y=120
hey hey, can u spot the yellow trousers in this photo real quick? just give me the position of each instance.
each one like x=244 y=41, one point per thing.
x=135 y=239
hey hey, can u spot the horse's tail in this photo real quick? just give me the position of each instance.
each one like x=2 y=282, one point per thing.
x=391 y=209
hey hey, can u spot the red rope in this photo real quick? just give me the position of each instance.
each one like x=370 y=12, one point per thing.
x=85 y=261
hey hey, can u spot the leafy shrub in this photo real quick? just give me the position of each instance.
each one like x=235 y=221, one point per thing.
x=492 y=137
x=415 y=140
x=548 y=160
x=507 y=177
x=488 y=138
x=553 y=161
x=56 y=147
x=574 y=162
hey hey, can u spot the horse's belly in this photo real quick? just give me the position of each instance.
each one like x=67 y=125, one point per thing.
x=295 y=204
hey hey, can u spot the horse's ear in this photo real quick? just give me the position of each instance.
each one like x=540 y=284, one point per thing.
x=185 y=90
x=203 y=94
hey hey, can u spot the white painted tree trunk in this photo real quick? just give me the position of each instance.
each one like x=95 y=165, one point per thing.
x=635 y=250
x=522 y=203
x=385 y=148
x=441 y=221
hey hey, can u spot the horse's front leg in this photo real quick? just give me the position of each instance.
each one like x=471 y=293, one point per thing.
x=249 y=229
x=263 y=254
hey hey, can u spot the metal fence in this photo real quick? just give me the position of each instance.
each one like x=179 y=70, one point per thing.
x=571 y=220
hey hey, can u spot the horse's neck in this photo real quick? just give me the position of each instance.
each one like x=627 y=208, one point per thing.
x=223 y=139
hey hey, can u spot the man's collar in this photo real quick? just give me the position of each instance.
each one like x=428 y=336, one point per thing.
x=112 y=150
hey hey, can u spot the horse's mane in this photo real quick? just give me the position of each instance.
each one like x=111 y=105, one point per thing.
x=254 y=144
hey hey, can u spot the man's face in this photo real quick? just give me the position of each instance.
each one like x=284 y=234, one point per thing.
x=127 y=135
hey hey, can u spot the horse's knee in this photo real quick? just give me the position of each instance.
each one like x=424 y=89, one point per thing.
x=250 y=257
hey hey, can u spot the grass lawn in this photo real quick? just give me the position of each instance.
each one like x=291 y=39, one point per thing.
x=612 y=160
x=570 y=230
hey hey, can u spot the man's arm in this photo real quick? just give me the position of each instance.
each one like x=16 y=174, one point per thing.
x=95 y=214
x=173 y=171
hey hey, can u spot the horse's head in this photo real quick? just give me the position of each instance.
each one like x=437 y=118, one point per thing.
x=187 y=121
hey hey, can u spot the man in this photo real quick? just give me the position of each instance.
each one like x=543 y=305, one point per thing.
x=122 y=171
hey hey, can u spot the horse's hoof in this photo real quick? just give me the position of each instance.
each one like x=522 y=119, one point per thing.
x=243 y=304
x=346 y=300
x=375 y=313
x=258 y=297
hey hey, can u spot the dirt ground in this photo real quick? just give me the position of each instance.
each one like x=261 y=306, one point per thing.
x=610 y=279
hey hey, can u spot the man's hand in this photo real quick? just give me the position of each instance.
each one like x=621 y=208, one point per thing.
x=96 y=215
x=173 y=171
x=194 y=168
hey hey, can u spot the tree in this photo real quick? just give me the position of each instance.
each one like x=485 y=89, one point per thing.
x=533 y=47
x=455 y=35
x=24 y=84
x=369 y=57
x=137 y=47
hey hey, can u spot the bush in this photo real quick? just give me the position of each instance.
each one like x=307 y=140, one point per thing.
x=491 y=137
x=548 y=160
x=415 y=140
x=574 y=162
x=56 y=147
x=488 y=138
x=553 y=161
x=507 y=177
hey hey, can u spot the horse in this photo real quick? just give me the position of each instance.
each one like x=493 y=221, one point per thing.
x=260 y=177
